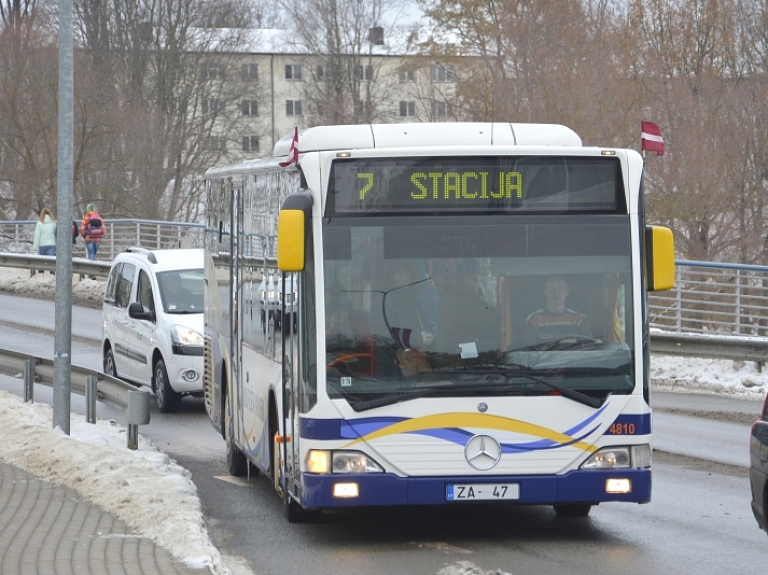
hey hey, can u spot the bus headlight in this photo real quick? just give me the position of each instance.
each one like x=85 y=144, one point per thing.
x=322 y=461
x=635 y=456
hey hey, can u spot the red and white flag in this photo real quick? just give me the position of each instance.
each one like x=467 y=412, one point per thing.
x=651 y=139
x=293 y=152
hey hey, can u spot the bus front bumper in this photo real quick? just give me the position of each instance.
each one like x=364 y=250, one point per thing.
x=380 y=489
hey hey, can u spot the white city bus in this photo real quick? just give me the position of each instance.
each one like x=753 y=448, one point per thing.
x=468 y=318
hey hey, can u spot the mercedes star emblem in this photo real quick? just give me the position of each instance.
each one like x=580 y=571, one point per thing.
x=482 y=452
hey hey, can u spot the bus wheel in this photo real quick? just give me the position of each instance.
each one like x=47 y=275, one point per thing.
x=574 y=510
x=295 y=513
x=237 y=464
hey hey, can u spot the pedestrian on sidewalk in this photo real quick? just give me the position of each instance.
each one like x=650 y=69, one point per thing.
x=45 y=234
x=93 y=229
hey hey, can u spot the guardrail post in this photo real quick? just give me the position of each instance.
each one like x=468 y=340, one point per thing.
x=91 y=392
x=29 y=381
x=737 y=303
x=137 y=414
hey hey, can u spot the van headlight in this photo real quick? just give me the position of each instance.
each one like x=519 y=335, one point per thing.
x=324 y=461
x=185 y=340
x=623 y=457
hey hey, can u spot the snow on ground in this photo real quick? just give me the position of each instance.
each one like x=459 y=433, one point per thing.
x=95 y=461
x=85 y=292
x=115 y=478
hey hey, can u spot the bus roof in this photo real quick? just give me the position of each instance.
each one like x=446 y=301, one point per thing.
x=367 y=136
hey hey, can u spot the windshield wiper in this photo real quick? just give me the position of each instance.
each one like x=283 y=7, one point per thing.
x=393 y=399
x=571 y=394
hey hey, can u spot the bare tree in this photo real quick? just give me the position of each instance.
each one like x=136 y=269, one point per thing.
x=346 y=38
x=164 y=69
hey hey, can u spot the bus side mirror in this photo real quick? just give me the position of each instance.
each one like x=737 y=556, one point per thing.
x=290 y=240
x=659 y=258
x=292 y=229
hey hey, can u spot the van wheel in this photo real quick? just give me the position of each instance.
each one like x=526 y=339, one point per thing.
x=109 y=363
x=168 y=401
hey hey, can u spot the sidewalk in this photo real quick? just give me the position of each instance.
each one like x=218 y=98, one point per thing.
x=47 y=529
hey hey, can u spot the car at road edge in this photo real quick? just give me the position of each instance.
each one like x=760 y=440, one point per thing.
x=758 y=467
x=152 y=322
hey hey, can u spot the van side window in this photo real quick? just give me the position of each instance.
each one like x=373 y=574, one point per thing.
x=124 y=285
x=109 y=292
x=144 y=293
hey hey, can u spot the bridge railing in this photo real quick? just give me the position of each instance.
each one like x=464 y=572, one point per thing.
x=713 y=298
x=17 y=236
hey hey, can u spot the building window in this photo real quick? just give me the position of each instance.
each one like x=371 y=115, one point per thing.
x=250 y=108
x=249 y=72
x=441 y=109
x=407 y=109
x=293 y=71
x=442 y=74
x=293 y=107
x=215 y=143
x=406 y=76
x=250 y=143
x=213 y=72
x=320 y=73
x=364 y=73
x=364 y=108
x=212 y=105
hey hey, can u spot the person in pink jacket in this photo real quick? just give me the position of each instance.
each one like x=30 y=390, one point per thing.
x=93 y=229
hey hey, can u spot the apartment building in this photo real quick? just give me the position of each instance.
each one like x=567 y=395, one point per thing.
x=275 y=86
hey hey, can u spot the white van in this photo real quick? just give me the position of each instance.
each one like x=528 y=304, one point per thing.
x=152 y=328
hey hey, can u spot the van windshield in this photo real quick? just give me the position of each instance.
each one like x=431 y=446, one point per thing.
x=182 y=291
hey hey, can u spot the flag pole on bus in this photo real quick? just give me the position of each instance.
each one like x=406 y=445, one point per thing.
x=650 y=138
x=293 y=152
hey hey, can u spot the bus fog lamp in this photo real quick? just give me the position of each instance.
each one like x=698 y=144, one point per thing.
x=318 y=461
x=608 y=458
x=622 y=485
x=346 y=490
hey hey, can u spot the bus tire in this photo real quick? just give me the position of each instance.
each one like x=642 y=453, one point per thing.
x=237 y=464
x=295 y=513
x=573 y=509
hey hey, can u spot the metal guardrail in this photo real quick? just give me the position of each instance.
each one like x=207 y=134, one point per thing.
x=84 y=381
x=80 y=266
x=711 y=346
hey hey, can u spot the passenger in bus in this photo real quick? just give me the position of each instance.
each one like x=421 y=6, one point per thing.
x=403 y=316
x=466 y=325
x=555 y=320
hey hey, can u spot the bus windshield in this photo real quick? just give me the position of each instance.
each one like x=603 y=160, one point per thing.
x=470 y=305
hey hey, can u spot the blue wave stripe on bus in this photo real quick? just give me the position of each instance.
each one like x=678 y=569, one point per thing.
x=357 y=428
x=434 y=426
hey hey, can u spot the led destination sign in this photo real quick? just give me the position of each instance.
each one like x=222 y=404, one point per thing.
x=476 y=183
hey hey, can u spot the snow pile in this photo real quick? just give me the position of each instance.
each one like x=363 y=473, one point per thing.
x=85 y=292
x=739 y=379
x=142 y=487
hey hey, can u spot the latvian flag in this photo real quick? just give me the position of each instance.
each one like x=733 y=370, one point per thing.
x=651 y=139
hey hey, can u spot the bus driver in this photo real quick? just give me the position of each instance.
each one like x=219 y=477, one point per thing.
x=554 y=319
